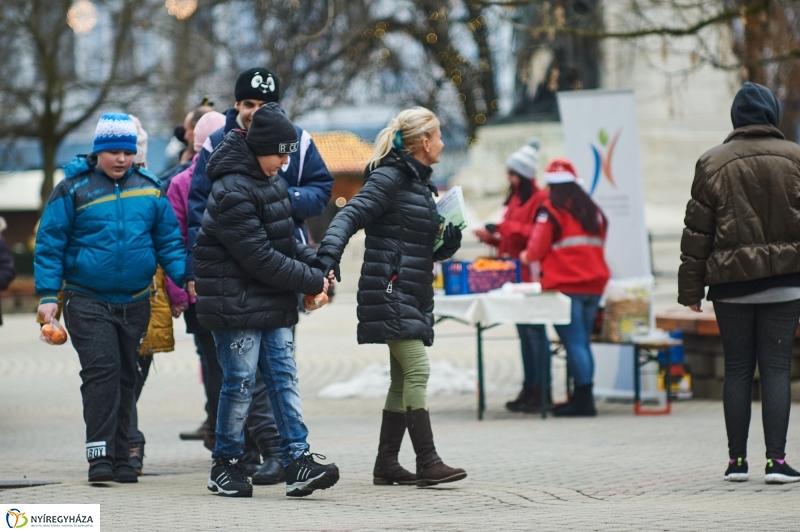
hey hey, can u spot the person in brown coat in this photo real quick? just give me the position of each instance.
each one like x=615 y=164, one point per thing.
x=742 y=240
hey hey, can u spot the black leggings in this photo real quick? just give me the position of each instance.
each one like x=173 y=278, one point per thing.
x=762 y=333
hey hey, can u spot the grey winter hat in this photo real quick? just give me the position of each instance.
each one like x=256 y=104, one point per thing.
x=525 y=161
x=271 y=132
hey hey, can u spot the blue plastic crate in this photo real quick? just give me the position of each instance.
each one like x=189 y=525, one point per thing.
x=458 y=279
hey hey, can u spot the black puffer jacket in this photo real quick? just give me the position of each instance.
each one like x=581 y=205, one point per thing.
x=395 y=291
x=246 y=273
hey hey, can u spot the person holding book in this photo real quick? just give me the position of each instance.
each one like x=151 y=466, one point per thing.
x=395 y=291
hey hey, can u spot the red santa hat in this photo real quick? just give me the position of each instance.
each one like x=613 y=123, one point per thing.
x=560 y=171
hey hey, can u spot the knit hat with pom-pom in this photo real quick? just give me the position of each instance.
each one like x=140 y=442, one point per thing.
x=525 y=161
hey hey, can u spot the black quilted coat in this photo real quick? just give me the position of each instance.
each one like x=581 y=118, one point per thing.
x=248 y=265
x=395 y=291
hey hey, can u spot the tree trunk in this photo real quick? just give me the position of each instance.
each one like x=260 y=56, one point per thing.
x=182 y=45
x=49 y=145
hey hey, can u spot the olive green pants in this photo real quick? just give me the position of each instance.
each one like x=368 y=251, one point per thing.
x=409 y=369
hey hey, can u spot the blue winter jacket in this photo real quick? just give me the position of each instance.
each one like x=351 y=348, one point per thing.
x=104 y=238
x=308 y=179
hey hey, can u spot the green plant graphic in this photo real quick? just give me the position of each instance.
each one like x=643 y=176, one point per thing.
x=603 y=137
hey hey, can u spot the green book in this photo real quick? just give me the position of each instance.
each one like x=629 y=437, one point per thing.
x=451 y=210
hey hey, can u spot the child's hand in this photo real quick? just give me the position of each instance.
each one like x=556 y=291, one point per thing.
x=325 y=284
x=47 y=312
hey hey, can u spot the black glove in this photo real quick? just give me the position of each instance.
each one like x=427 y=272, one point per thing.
x=326 y=263
x=492 y=228
x=452 y=241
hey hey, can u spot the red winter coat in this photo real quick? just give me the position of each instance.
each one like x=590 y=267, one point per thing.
x=517 y=224
x=572 y=259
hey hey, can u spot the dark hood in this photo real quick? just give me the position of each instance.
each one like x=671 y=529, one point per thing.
x=755 y=104
x=233 y=156
x=230 y=120
x=407 y=163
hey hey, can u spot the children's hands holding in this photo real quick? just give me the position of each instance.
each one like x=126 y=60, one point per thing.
x=328 y=265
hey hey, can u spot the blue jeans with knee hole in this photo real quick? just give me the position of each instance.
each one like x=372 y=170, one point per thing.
x=576 y=337
x=241 y=354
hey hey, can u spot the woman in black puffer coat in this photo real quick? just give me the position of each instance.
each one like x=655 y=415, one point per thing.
x=395 y=291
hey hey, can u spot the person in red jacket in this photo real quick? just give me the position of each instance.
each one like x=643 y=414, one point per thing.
x=568 y=239
x=510 y=237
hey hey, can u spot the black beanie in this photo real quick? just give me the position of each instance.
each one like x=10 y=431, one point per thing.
x=257 y=84
x=271 y=132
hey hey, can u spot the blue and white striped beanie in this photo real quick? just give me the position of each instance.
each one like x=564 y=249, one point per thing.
x=115 y=131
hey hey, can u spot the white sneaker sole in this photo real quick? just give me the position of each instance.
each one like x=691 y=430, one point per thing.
x=737 y=477
x=777 y=478
x=214 y=487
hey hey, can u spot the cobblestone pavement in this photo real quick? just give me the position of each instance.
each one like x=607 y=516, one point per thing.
x=615 y=472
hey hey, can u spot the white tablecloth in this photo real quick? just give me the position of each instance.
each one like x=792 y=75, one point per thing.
x=547 y=308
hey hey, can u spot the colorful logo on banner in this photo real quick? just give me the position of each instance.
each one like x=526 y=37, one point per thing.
x=16 y=515
x=602 y=158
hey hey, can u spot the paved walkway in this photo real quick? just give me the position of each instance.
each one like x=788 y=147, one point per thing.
x=615 y=472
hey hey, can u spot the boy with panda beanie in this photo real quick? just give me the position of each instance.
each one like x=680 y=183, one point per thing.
x=249 y=269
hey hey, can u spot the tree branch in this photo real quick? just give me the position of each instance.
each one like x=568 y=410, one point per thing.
x=692 y=29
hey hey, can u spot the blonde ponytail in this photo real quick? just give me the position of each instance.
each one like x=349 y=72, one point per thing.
x=408 y=128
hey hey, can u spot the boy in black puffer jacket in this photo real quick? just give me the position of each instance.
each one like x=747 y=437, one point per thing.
x=249 y=269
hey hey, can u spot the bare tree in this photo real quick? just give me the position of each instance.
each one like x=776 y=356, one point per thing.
x=328 y=52
x=44 y=94
x=456 y=39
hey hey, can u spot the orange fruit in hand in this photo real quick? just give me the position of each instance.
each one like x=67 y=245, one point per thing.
x=57 y=335
x=314 y=302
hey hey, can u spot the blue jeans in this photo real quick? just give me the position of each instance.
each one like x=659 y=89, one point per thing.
x=240 y=354
x=576 y=337
x=534 y=345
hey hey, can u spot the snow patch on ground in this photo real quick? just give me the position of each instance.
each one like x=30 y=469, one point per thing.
x=373 y=381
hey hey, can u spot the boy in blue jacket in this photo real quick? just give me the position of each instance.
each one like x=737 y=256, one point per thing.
x=104 y=230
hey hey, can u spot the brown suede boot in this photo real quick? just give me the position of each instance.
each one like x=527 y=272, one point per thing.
x=430 y=468
x=387 y=469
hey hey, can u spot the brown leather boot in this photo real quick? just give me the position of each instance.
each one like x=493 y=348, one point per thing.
x=387 y=469
x=430 y=468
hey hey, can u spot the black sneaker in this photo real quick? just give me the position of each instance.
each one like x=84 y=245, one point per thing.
x=124 y=473
x=100 y=471
x=779 y=472
x=305 y=476
x=229 y=479
x=737 y=470
x=136 y=458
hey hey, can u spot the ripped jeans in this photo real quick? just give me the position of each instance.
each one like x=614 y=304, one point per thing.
x=240 y=354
